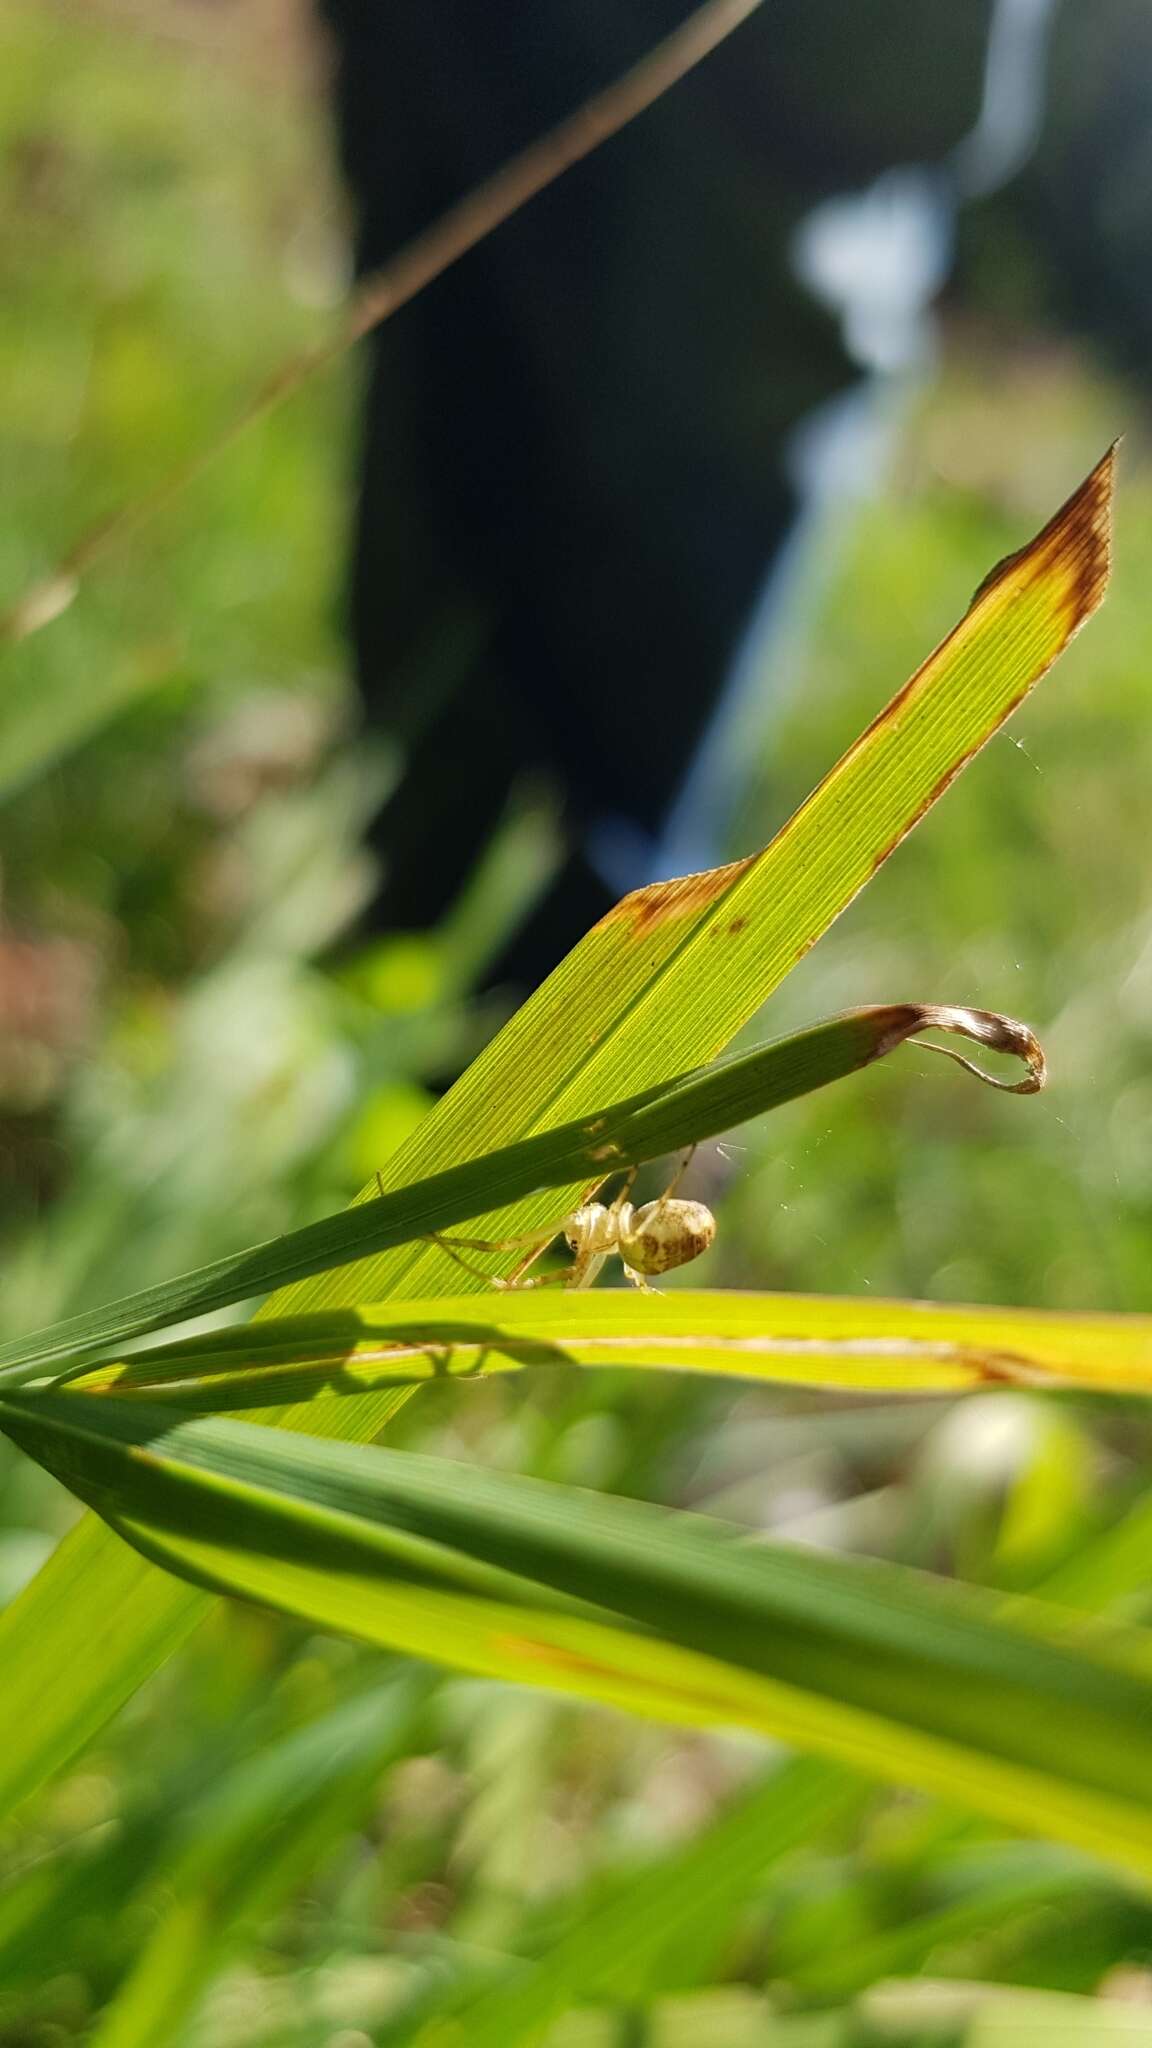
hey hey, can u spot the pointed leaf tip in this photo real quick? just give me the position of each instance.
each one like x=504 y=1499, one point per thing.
x=1074 y=549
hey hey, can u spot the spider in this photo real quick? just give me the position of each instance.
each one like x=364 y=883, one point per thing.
x=649 y=1240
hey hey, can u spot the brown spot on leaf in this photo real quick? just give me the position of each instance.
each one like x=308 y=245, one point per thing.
x=738 y=924
x=645 y=909
x=552 y=1653
x=561 y=1659
x=1005 y=1369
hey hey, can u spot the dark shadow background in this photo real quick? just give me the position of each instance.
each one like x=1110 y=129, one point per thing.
x=572 y=473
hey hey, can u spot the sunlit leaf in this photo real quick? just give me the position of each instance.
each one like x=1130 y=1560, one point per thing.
x=660 y=1119
x=1033 y=1715
x=860 y=1346
x=662 y=984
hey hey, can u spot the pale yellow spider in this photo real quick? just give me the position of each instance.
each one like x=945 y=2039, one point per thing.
x=650 y=1240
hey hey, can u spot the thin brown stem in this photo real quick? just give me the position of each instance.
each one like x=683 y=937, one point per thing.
x=413 y=267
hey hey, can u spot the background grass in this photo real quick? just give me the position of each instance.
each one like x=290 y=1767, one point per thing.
x=179 y=853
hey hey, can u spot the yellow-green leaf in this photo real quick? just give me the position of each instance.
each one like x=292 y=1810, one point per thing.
x=661 y=984
x=854 y=1345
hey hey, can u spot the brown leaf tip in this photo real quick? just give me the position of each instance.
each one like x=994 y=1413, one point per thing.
x=646 y=909
x=1075 y=546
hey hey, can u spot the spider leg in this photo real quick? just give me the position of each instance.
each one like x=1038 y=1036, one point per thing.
x=625 y=1188
x=560 y=1277
x=455 y=1246
x=536 y=1243
x=639 y=1282
x=585 y=1268
x=678 y=1176
x=539 y=1239
x=516 y=1278
x=445 y=1244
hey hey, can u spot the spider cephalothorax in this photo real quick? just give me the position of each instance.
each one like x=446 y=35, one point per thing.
x=650 y=1240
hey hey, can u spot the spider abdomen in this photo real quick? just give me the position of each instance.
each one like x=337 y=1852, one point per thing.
x=664 y=1234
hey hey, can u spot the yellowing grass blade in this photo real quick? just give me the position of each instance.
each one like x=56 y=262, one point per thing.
x=867 y=1346
x=660 y=985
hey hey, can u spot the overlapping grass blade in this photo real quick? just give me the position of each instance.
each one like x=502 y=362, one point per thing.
x=661 y=984
x=661 y=1119
x=999 y=1882
x=1034 y=1716
x=244 y=1848
x=854 y=1345
x=669 y=976
x=637 y=1935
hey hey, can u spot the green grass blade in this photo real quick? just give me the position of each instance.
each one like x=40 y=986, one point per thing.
x=855 y=1345
x=629 y=1940
x=987 y=1890
x=1034 y=1716
x=246 y=1847
x=664 y=982
x=661 y=1119
x=677 y=969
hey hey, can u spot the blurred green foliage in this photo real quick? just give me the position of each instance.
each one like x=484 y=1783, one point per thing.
x=181 y=1073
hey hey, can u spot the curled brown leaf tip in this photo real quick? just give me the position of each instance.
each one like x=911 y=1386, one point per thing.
x=998 y=1033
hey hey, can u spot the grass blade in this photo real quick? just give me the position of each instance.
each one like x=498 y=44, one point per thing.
x=1037 y=1716
x=620 y=1949
x=855 y=1345
x=661 y=1119
x=666 y=980
x=245 y=1847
